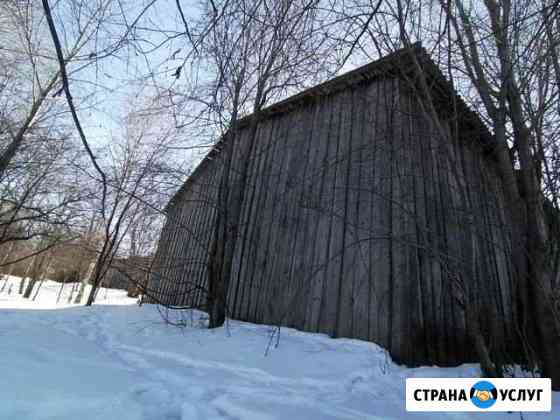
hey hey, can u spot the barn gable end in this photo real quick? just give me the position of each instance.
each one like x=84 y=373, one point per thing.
x=352 y=222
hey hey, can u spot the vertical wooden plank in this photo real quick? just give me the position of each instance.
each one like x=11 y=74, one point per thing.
x=457 y=221
x=412 y=209
x=294 y=308
x=273 y=264
x=157 y=280
x=170 y=261
x=440 y=220
x=189 y=241
x=360 y=185
x=311 y=188
x=208 y=203
x=380 y=225
x=423 y=253
x=186 y=248
x=349 y=197
x=170 y=280
x=282 y=290
x=324 y=233
x=245 y=221
x=239 y=158
x=336 y=175
x=261 y=219
x=398 y=225
x=257 y=288
x=319 y=202
x=269 y=217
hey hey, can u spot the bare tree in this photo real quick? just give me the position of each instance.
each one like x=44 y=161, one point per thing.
x=503 y=56
x=259 y=52
x=135 y=188
x=28 y=99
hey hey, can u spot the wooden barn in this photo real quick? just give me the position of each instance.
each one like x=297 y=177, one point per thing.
x=128 y=274
x=366 y=214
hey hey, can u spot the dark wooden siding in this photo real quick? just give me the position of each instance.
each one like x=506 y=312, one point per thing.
x=354 y=223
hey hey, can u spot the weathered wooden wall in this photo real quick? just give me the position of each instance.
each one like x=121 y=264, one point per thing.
x=355 y=224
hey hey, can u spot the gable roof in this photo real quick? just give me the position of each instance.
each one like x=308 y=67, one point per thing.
x=397 y=64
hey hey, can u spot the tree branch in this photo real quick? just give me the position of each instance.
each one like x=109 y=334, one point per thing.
x=66 y=88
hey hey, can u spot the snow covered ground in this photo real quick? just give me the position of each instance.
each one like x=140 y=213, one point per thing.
x=120 y=361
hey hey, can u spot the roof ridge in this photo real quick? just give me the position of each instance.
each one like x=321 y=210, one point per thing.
x=363 y=73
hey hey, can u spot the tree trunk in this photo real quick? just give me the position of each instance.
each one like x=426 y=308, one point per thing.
x=217 y=292
x=227 y=226
x=22 y=281
x=94 y=284
x=38 y=288
x=83 y=283
x=22 y=285
x=58 y=296
x=43 y=277
x=29 y=288
x=535 y=318
x=6 y=277
x=536 y=296
x=72 y=291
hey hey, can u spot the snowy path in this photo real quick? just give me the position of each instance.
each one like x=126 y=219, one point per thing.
x=123 y=362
